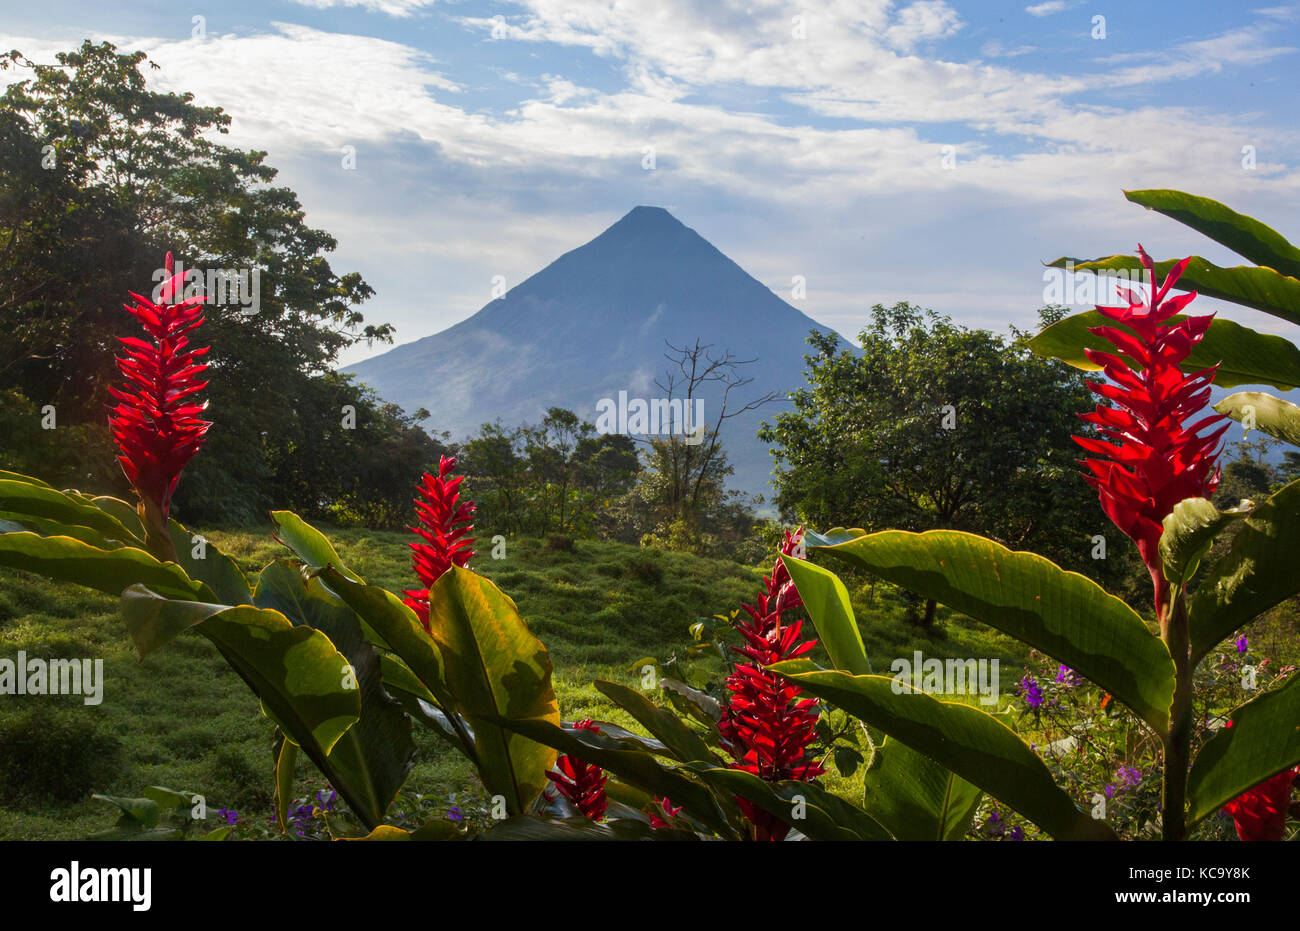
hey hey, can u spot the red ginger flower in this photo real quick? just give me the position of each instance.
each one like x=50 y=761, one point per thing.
x=1260 y=813
x=156 y=423
x=1154 y=461
x=582 y=783
x=766 y=727
x=664 y=807
x=444 y=522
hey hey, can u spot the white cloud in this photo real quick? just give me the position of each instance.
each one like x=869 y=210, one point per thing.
x=924 y=21
x=1046 y=9
x=398 y=8
x=445 y=196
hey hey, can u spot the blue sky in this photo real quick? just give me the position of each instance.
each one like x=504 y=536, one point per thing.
x=801 y=138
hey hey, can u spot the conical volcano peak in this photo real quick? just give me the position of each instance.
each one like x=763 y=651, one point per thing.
x=647 y=221
x=597 y=321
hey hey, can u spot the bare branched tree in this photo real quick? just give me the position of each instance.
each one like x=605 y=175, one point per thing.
x=694 y=466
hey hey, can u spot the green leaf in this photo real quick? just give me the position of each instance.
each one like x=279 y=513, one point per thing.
x=20 y=477
x=1244 y=356
x=1190 y=530
x=139 y=814
x=370 y=762
x=494 y=668
x=305 y=684
x=1257 y=573
x=1256 y=410
x=64 y=559
x=217 y=834
x=126 y=514
x=286 y=759
x=213 y=568
x=42 y=501
x=827 y=602
x=680 y=739
x=1264 y=740
x=636 y=767
x=13 y=522
x=167 y=799
x=916 y=798
x=398 y=627
x=1247 y=285
x=153 y=620
x=1244 y=235
x=1064 y=614
x=973 y=745
x=308 y=543
x=805 y=806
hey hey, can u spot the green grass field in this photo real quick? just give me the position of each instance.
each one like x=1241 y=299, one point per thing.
x=183 y=719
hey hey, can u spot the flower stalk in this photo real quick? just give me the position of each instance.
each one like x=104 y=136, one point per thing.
x=156 y=422
x=1147 y=461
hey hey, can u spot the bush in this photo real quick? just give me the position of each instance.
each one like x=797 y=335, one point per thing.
x=52 y=755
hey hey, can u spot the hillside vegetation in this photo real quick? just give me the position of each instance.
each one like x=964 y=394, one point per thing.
x=183 y=719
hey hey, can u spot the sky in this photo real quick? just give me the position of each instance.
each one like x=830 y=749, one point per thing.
x=931 y=151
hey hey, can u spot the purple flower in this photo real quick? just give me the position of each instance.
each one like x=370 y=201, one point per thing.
x=1110 y=791
x=231 y=816
x=1033 y=692
x=1242 y=644
x=454 y=814
x=1016 y=833
x=1068 y=677
x=1128 y=776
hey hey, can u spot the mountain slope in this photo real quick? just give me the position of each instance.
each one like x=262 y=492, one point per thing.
x=595 y=322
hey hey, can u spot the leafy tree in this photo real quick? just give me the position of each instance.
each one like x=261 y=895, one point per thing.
x=933 y=425
x=99 y=176
x=557 y=476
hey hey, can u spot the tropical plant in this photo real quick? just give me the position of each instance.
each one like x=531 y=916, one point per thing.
x=341 y=667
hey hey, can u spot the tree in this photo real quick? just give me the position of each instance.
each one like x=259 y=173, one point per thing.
x=99 y=177
x=555 y=476
x=686 y=471
x=932 y=425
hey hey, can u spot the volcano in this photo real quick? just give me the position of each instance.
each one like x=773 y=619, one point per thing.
x=596 y=322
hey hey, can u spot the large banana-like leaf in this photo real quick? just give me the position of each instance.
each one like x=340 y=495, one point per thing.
x=1264 y=740
x=1244 y=235
x=631 y=763
x=805 y=806
x=1259 y=411
x=305 y=684
x=41 y=501
x=65 y=559
x=1250 y=286
x=399 y=629
x=827 y=602
x=1258 y=572
x=1244 y=356
x=1189 y=531
x=974 y=745
x=1064 y=614
x=153 y=621
x=308 y=543
x=370 y=762
x=494 y=668
x=677 y=736
x=916 y=798
x=204 y=562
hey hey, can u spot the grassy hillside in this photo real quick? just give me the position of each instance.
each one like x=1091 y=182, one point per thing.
x=183 y=719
